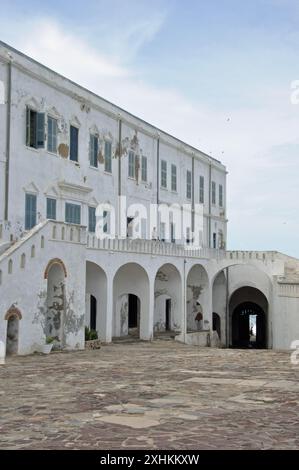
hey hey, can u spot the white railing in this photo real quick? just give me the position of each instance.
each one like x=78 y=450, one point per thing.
x=152 y=247
x=171 y=249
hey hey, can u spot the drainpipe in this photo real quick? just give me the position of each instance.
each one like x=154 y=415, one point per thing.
x=158 y=170
x=8 y=131
x=192 y=196
x=119 y=174
x=185 y=309
x=227 y=309
x=210 y=205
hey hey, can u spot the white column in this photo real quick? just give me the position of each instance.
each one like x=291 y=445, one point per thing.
x=147 y=324
x=107 y=337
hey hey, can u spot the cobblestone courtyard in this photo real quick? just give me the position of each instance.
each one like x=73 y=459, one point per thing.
x=159 y=395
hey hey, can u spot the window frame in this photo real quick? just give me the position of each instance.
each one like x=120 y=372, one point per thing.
x=189 y=185
x=163 y=174
x=52 y=199
x=93 y=150
x=108 y=169
x=201 y=189
x=32 y=214
x=131 y=164
x=49 y=119
x=74 y=206
x=73 y=126
x=213 y=193
x=174 y=178
x=144 y=169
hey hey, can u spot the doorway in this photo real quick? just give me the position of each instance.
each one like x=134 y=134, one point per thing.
x=249 y=326
x=93 y=313
x=12 y=336
x=168 y=314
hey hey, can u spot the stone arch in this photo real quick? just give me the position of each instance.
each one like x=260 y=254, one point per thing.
x=96 y=299
x=13 y=316
x=55 y=315
x=197 y=299
x=131 y=279
x=51 y=263
x=244 y=303
x=168 y=309
x=13 y=312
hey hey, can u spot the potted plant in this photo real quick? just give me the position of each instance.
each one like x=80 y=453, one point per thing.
x=47 y=348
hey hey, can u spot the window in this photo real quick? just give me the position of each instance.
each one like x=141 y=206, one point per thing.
x=74 y=138
x=52 y=134
x=172 y=232
x=143 y=229
x=106 y=227
x=92 y=219
x=162 y=231
x=220 y=195
x=201 y=189
x=51 y=208
x=213 y=192
x=108 y=157
x=131 y=164
x=35 y=129
x=93 y=150
x=144 y=169
x=173 y=178
x=72 y=213
x=214 y=240
x=189 y=185
x=30 y=211
x=163 y=174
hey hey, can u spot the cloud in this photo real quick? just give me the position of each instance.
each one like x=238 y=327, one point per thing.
x=259 y=145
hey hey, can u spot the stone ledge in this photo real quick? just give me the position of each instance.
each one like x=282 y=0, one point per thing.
x=93 y=344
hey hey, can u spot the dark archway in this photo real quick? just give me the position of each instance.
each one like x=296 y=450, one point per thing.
x=93 y=313
x=248 y=326
x=12 y=335
x=133 y=314
x=217 y=324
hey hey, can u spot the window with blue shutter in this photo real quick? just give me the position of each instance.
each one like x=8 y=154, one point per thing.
x=30 y=211
x=213 y=192
x=201 y=189
x=74 y=136
x=144 y=169
x=108 y=157
x=72 y=213
x=93 y=150
x=92 y=219
x=163 y=174
x=220 y=195
x=35 y=129
x=131 y=164
x=52 y=134
x=173 y=178
x=189 y=185
x=51 y=208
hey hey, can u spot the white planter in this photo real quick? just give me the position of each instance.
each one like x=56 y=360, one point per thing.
x=46 y=348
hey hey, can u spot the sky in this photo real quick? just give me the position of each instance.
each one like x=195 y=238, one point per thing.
x=217 y=74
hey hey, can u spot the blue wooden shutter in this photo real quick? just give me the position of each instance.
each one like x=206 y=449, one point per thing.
x=74 y=132
x=40 y=130
x=30 y=211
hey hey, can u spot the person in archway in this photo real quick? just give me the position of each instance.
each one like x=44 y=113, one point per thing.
x=199 y=316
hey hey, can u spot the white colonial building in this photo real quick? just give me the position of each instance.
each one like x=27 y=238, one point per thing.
x=64 y=151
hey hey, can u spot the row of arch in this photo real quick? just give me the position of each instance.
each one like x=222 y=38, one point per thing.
x=134 y=306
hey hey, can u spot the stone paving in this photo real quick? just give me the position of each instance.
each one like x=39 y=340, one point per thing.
x=160 y=395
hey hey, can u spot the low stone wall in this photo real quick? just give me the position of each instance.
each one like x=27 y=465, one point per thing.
x=93 y=344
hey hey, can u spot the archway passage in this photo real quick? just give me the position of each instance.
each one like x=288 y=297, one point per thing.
x=93 y=313
x=131 y=302
x=12 y=335
x=217 y=324
x=168 y=301
x=249 y=326
x=96 y=299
